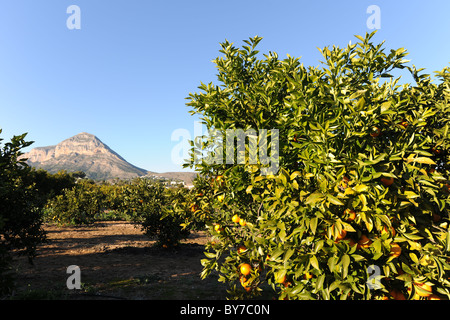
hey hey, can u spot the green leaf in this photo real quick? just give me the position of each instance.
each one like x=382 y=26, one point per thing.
x=423 y=160
x=313 y=224
x=288 y=254
x=210 y=255
x=360 y=38
x=334 y=200
x=314 y=262
x=345 y=264
x=314 y=198
x=332 y=263
x=360 y=188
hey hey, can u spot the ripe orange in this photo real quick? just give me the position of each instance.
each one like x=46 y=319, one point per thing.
x=241 y=249
x=375 y=132
x=242 y=222
x=282 y=280
x=387 y=181
x=390 y=230
x=307 y=276
x=434 y=297
x=426 y=289
x=235 y=218
x=436 y=150
x=351 y=242
x=415 y=297
x=403 y=123
x=396 y=250
x=245 y=269
x=397 y=294
x=349 y=215
x=218 y=228
x=364 y=242
x=341 y=235
x=220 y=180
x=436 y=217
x=245 y=283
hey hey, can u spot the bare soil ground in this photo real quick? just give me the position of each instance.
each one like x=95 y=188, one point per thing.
x=117 y=261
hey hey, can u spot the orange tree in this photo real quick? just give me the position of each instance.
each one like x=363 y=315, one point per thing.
x=152 y=206
x=360 y=206
x=20 y=201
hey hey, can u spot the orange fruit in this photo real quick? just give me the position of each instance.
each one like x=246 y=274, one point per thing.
x=436 y=150
x=221 y=197
x=242 y=222
x=390 y=230
x=307 y=276
x=396 y=250
x=387 y=181
x=415 y=297
x=282 y=280
x=375 y=132
x=341 y=235
x=397 y=294
x=351 y=242
x=436 y=217
x=241 y=249
x=220 y=180
x=349 y=215
x=426 y=289
x=364 y=242
x=218 y=228
x=403 y=123
x=434 y=297
x=235 y=218
x=245 y=283
x=245 y=269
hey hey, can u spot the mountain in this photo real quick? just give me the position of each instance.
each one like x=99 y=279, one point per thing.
x=83 y=152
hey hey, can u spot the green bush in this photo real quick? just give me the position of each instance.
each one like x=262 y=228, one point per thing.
x=20 y=219
x=80 y=204
x=152 y=206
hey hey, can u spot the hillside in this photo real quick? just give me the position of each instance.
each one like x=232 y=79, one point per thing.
x=85 y=152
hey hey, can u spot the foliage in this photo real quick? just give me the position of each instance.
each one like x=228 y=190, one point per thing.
x=148 y=203
x=77 y=205
x=351 y=138
x=151 y=205
x=20 y=221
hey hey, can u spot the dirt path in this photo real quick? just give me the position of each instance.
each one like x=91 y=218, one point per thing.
x=116 y=261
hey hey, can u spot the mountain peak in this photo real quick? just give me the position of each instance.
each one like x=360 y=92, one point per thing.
x=83 y=152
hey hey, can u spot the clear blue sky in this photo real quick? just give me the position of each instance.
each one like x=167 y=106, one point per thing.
x=125 y=74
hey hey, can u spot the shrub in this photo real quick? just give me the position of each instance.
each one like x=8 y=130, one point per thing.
x=78 y=205
x=151 y=205
x=20 y=220
x=363 y=182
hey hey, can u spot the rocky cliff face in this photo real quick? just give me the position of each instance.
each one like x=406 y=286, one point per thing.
x=83 y=152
